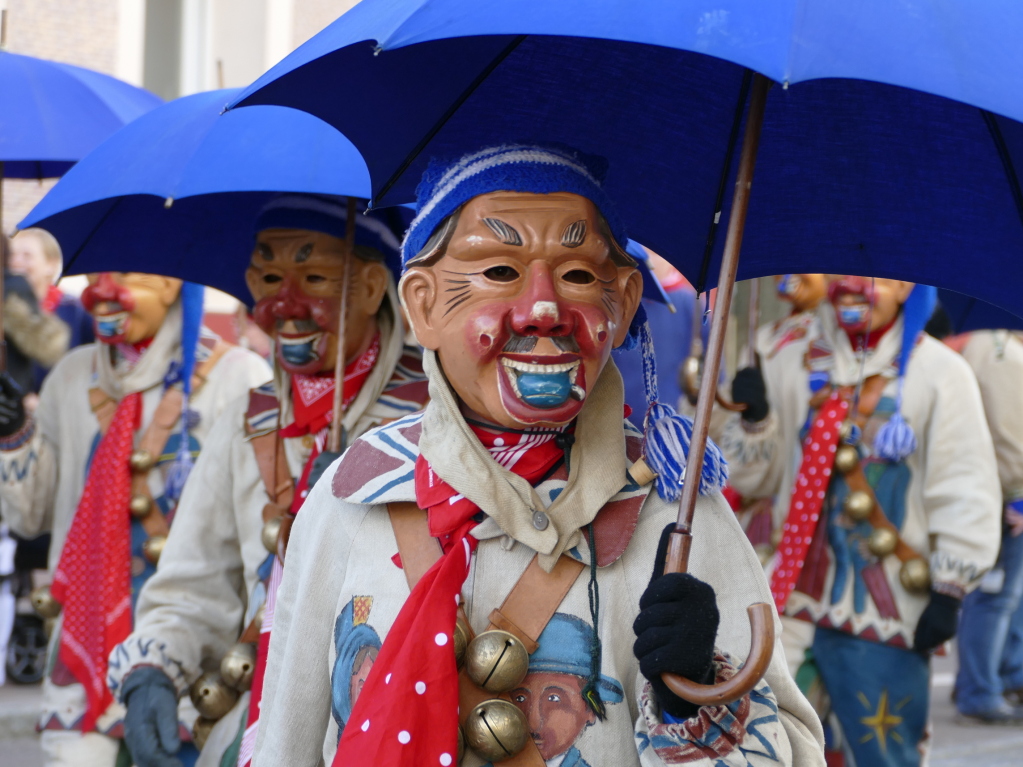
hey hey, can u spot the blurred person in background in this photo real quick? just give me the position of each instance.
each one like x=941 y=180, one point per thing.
x=36 y=256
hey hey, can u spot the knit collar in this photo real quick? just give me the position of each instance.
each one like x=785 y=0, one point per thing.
x=597 y=465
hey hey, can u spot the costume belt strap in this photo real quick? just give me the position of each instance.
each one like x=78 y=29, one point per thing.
x=526 y=610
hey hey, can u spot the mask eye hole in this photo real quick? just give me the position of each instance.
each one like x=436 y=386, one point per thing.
x=315 y=278
x=271 y=279
x=501 y=274
x=578 y=277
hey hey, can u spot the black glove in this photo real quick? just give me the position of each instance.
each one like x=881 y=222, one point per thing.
x=938 y=623
x=320 y=464
x=151 y=723
x=748 y=388
x=12 y=411
x=675 y=631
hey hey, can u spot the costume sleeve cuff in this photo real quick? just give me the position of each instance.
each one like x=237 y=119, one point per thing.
x=20 y=437
x=136 y=651
x=950 y=572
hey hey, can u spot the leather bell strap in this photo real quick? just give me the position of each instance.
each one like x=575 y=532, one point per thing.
x=525 y=612
x=857 y=481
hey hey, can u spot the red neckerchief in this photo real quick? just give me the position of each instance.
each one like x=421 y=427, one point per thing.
x=92 y=580
x=51 y=300
x=873 y=338
x=407 y=712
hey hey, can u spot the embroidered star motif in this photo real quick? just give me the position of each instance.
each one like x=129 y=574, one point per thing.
x=883 y=721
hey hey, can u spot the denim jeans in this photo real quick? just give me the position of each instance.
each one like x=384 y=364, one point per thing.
x=991 y=637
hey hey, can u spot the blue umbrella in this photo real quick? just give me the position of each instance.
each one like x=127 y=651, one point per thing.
x=177 y=192
x=966 y=313
x=852 y=175
x=54 y=114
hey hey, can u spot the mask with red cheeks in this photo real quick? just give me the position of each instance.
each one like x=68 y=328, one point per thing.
x=296 y=278
x=128 y=307
x=524 y=305
x=864 y=304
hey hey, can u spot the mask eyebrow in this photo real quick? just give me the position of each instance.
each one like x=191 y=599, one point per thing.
x=506 y=233
x=303 y=253
x=265 y=251
x=574 y=234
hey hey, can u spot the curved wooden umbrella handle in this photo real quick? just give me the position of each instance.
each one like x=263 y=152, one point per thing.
x=761 y=621
x=735 y=407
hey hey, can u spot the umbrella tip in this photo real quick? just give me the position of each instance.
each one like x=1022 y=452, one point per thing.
x=168 y=202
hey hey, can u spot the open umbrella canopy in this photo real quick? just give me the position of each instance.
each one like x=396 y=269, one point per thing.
x=966 y=314
x=54 y=114
x=178 y=191
x=853 y=175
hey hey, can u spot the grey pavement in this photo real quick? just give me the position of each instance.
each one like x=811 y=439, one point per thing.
x=955 y=744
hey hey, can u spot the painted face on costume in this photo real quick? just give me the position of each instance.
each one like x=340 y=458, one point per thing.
x=128 y=307
x=524 y=306
x=803 y=291
x=555 y=709
x=296 y=277
x=863 y=304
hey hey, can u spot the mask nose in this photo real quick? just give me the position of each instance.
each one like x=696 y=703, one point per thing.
x=538 y=312
x=288 y=303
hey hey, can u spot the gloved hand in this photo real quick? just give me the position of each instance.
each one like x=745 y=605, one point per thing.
x=938 y=623
x=749 y=389
x=675 y=631
x=151 y=722
x=320 y=464
x=12 y=411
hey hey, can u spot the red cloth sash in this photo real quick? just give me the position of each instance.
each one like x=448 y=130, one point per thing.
x=808 y=495
x=93 y=577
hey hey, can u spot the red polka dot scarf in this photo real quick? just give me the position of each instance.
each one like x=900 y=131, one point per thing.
x=93 y=577
x=808 y=495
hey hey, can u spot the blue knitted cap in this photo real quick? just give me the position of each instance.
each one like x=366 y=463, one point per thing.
x=330 y=216
x=510 y=168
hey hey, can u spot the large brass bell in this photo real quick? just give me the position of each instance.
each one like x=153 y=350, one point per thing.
x=141 y=461
x=689 y=375
x=238 y=665
x=496 y=730
x=496 y=661
x=883 y=541
x=153 y=547
x=271 y=532
x=858 y=505
x=461 y=746
x=44 y=603
x=201 y=731
x=140 y=505
x=212 y=696
x=915 y=575
x=461 y=641
x=846 y=459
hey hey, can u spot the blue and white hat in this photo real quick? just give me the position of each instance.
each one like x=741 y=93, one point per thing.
x=509 y=168
x=329 y=215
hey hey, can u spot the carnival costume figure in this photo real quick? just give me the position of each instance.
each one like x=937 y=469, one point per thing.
x=204 y=609
x=100 y=465
x=501 y=530
x=879 y=442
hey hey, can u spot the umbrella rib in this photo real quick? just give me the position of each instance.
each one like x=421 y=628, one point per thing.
x=733 y=139
x=455 y=106
x=1003 y=155
x=88 y=239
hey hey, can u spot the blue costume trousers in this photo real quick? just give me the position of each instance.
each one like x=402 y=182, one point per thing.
x=880 y=695
x=991 y=636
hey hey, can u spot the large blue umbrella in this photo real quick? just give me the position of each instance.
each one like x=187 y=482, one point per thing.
x=178 y=191
x=54 y=114
x=852 y=175
x=966 y=313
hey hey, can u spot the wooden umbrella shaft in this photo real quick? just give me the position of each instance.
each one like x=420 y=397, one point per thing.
x=681 y=539
x=334 y=436
x=754 y=318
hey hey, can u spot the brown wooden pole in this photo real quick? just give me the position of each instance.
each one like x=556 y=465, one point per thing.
x=334 y=438
x=753 y=322
x=761 y=615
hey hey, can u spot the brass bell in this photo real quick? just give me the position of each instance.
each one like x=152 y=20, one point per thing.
x=238 y=665
x=44 y=603
x=211 y=695
x=271 y=531
x=689 y=375
x=201 y=731
x=258 y=617
x=915 y=575
x=141 y=461
x=883 y=541
x=461 y=746
x=846 y=459
x=496 y=661
x=140 y=505
x=496 y=730
x=461 y=641
x=858 y=505
x=153 y=547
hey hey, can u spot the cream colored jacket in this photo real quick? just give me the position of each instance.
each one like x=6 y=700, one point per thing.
x=341 y=589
